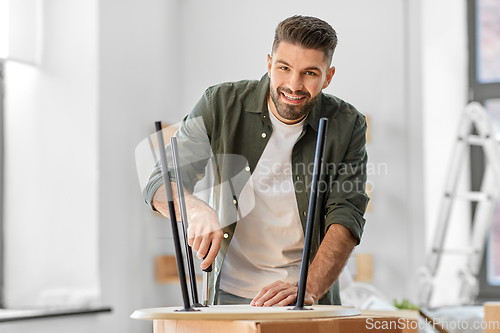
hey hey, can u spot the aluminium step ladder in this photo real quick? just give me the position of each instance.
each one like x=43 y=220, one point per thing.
x=475 y=116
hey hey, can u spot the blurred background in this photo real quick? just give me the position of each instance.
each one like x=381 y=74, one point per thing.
x=84 y=80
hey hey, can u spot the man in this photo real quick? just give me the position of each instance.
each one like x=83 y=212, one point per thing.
x=273 y=123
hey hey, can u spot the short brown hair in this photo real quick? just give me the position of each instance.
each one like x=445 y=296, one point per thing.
x=309 y=32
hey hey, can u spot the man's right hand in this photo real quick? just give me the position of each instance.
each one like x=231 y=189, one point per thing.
x=204 y=229
x=204 y=232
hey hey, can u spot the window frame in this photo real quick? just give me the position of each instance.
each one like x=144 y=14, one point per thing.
x=479 y=92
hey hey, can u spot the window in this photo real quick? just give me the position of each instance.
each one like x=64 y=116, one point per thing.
x=487 y=41
x=484 y=87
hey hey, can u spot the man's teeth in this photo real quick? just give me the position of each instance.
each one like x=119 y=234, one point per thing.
x=292 y=98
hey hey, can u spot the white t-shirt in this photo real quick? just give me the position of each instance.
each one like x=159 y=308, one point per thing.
x=267 y=243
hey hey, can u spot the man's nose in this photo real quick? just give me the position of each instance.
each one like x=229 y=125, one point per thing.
x=295 y=82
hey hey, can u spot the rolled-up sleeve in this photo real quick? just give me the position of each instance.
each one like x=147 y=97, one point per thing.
x=347 y=200
x=193 y=140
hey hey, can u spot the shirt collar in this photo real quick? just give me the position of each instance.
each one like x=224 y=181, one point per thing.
x=258 y=103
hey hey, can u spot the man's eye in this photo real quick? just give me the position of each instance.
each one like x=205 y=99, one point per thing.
x=310 y=73
x=284 y=68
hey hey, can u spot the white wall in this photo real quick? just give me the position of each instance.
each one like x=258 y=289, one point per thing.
x=51 y=161
x=445 y=91
x=139 y=60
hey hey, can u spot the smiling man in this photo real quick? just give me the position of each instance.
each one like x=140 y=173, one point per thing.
x=273 y=123
x=298 y=74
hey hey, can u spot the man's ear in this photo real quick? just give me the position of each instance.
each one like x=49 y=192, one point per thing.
x=329 y=76
x=269 y=65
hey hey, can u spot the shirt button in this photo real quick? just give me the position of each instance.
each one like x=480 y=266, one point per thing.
x=247 y=168
x=235 y=201
x=226 y=235
x=305 y=213
x=264 y=135
x=216 y=269
x=298 y=178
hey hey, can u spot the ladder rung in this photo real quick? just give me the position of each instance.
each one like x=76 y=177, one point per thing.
x=473 y=196
x=456 y=251
x=475 y=140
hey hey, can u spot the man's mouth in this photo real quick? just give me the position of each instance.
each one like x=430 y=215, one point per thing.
x=292 y=98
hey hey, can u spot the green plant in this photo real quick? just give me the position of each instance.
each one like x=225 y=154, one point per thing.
x=405 y=305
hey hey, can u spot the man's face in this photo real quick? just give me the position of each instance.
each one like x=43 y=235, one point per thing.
x=297 y=77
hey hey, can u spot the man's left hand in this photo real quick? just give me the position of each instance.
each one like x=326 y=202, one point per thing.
x=281 y=293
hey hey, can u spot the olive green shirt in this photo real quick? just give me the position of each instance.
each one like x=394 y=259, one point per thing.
x=234 y=131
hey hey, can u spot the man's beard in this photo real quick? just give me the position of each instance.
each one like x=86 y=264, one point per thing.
x=289 y=111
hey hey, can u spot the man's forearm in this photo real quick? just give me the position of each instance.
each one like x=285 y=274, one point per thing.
x=330 y=259
x=160 y=200
x=193 y=204
x=204 y=230
x=160 y=203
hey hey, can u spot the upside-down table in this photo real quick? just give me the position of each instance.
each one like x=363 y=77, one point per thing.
x=248 y=319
